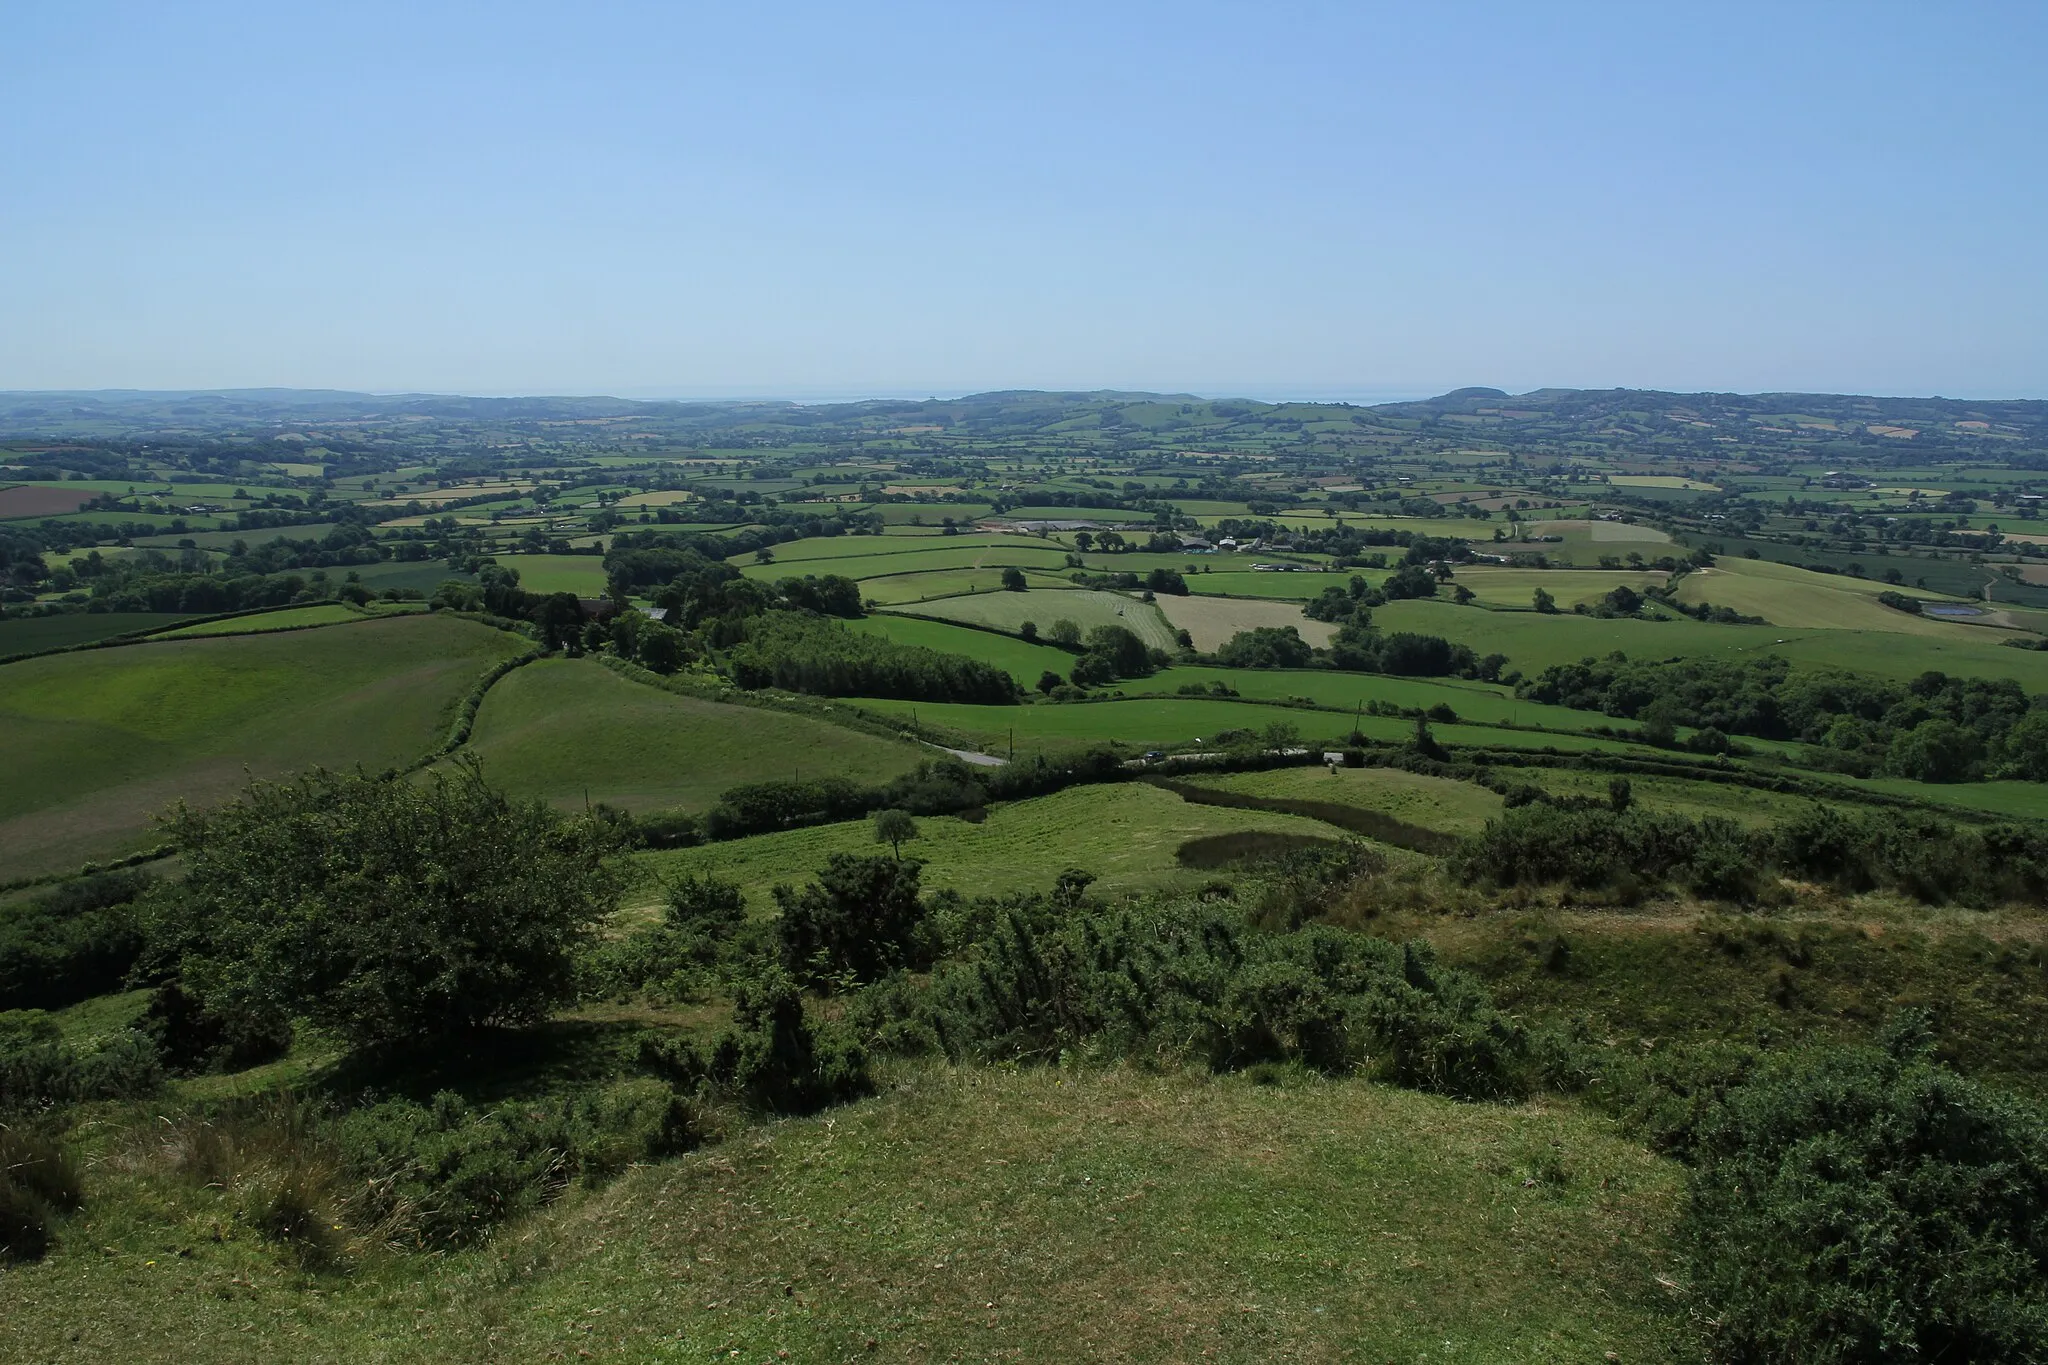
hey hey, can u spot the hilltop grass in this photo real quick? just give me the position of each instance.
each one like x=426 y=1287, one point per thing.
x=1126 y=833
x=99 y=741
x=1007 y=611
x=570 y=730
x=964 y=1214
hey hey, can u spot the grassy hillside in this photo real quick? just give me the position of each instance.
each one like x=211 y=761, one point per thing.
x=1024 y=662
x=28 y=634
x=978 y=1215
x=1433 y=802
x=288 y=618
x=567 y=729
x=99 y=741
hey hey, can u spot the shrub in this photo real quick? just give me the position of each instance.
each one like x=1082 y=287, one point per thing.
x=385 y=911
x=39 y=1071
x=858 y=921
x=72 y=943
x=1869 y=1205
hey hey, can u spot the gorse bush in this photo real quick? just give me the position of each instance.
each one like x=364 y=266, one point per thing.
x=774 y=1059
x=1592 y=847
x=1866 y=1204
x=861 y=919
x=447 y=1172
x=72 y=943
x=1174 y=983
x=39 y=1071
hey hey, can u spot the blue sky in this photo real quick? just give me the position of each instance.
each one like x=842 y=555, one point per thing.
x=824 y=200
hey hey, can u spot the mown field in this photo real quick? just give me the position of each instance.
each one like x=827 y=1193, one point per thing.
x=100 y=740
x=571 y=730
x=1010 y=610
x=889 y=590
x=1211 y=621
x=1125 y=833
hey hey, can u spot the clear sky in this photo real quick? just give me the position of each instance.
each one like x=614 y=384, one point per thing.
x=809 y=200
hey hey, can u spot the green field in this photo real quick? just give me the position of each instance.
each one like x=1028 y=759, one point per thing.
x=1010 y=610
x=98 y=741
x=1023 y=662
x=1126 y=833
x=567 y=730
x=862 y=547
x=1437 y=803
x=895 y=589
x=1802 y=599
x=285 y=618
x=581 y=574
x=887 y=558
x=1475 y=701
x=1517 y=587
x=30 y=634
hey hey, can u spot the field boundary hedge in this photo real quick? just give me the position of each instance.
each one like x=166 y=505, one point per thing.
x=1371 y=823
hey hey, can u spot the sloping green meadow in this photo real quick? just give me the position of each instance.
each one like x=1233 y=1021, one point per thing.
x=100 y=740
x=571 y=730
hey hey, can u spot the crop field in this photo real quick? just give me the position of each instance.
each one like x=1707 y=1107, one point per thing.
x=1211 y=621
x=1517 y=587
x=571 y=730
x=1126 y=833
x=1295 y=586
x=30 y=634
x=889 y=558
x=1437 y=803
x=1086 y=609
x=285 y=618
x=98 y=741
x=1024 y=662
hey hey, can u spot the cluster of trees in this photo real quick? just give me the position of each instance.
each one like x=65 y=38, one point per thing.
x=1360 y=648
x=1932 y=729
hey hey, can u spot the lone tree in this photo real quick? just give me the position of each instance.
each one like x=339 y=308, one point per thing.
x=1013 y=579
x=383 y=911
x=1544 y=602
x=892 y=827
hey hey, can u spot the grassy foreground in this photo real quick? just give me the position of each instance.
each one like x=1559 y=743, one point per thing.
x=971 y=1215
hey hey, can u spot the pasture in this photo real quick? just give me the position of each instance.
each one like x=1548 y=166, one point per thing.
x=895 y=589
x=581 y=574
x=1292 y=586
x=1804 y=600
x=1517 y=587
x=98 y=741
x=570 y=730
x=1007 y=611
x=1126 y=833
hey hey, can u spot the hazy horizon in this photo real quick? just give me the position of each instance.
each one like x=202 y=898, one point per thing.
x=807 y=200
